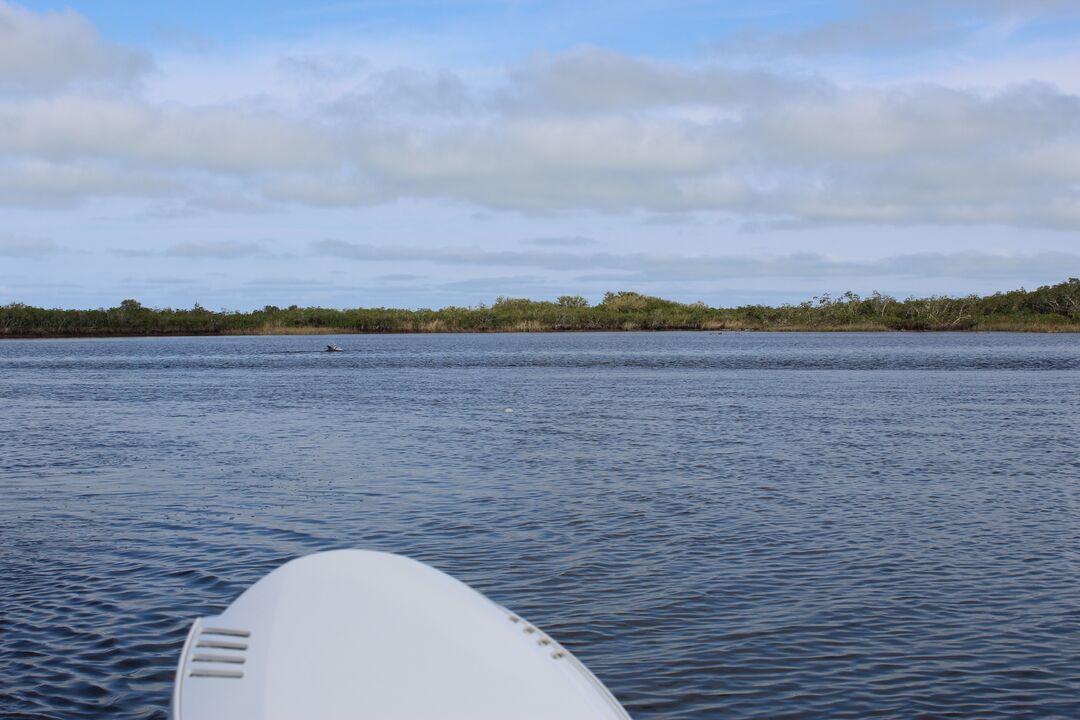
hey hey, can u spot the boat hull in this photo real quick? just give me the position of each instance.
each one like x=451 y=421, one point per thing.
x=361 y=634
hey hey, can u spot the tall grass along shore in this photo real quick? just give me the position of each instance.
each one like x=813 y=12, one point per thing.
x=1051 y=308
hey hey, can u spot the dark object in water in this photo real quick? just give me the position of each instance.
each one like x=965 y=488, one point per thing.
x=334 y=348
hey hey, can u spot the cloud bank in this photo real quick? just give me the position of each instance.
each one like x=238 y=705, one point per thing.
x=25 y=247
x=585 y=129
x=680 y=268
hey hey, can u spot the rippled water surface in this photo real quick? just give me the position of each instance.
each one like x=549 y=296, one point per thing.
x=719 y=525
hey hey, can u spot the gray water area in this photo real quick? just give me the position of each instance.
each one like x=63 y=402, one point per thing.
x=719 y=525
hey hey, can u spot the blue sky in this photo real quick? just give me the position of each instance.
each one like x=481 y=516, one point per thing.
x=670 y=28
x=432 y=153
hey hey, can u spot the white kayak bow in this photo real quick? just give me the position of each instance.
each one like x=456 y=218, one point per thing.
x=358 y=634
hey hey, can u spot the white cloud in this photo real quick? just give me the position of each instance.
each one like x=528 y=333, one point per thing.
x=675 y=268
x=76 y=127
x=588 y=129
x=307 y=67
x=210 y=249
x=51 y=50
x=559 y=241
x=37 y=183
x=589 y=79
x=27 y=247
x=221 y=249
x=905 y=155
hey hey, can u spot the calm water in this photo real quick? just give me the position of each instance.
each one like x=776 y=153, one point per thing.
x=719 y=525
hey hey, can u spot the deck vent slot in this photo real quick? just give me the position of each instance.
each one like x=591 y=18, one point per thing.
x=226 y=631
x=218 y=653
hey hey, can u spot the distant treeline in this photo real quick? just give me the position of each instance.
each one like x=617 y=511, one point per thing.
x=1047 y=309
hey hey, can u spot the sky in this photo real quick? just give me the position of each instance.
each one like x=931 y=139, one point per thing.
x=421 y=153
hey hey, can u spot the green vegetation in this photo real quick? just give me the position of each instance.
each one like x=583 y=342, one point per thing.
x=1052 y=308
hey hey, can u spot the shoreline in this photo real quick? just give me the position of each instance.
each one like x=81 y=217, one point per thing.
x=1047 y=309
x=1048 y=329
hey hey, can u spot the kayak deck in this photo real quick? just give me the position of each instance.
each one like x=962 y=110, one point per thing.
x=362 y=634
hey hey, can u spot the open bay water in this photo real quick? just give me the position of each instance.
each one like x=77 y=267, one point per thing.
x=719 y=525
